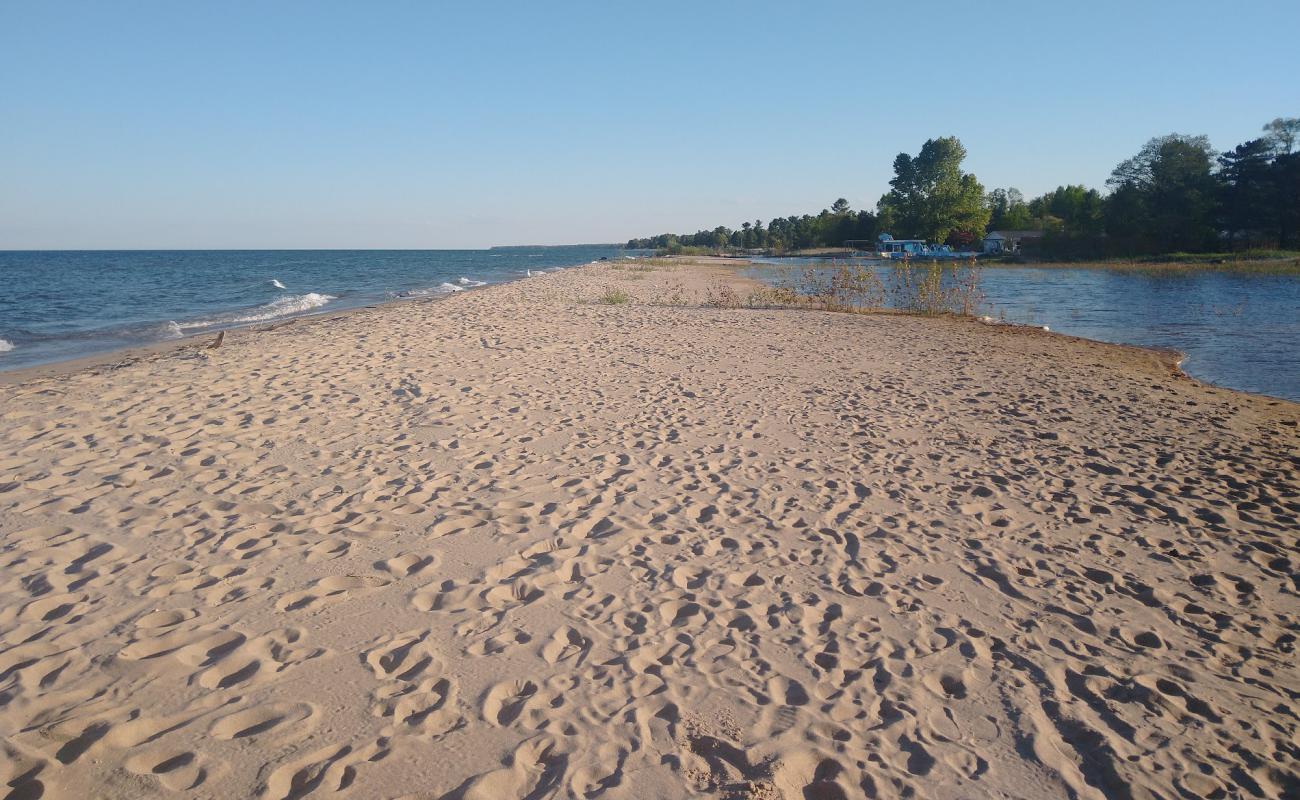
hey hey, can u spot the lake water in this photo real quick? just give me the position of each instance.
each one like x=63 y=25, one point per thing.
x=59 y=305
x=1236 y=329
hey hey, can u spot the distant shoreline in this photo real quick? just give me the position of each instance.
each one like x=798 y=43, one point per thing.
x=1269 y=266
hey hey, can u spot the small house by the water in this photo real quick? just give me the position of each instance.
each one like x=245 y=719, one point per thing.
x=1009 y=241
x=897 y=248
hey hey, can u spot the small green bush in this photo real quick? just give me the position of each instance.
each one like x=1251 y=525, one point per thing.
x=614 y=297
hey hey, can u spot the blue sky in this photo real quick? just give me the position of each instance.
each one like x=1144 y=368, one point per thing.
x=421 y=124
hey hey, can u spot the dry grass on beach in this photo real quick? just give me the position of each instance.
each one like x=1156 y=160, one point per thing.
x=522 y=543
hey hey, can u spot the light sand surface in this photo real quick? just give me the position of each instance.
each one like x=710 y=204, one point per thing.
x=514 y=544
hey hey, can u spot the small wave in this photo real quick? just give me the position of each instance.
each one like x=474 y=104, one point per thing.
x=293 y=304
x=468 y=282
x=6 y=346
x=450 y=287
x=276 y=283
x=172 y=330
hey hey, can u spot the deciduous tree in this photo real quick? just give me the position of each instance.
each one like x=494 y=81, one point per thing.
x=931 y=197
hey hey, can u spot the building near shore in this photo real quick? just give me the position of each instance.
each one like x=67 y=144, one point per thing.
x=1010 y=241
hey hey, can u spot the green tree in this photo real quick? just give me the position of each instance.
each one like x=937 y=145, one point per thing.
x=931 y=197
x=1074 y=211
x=1072 y=221
x=997 y=201
x=1285 y=183
x=1008 y=210
x=1168 y=193
x=1247 y=206
x=1126 y=220
x=1283 y=132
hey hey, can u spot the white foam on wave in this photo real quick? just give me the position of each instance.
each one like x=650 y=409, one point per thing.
x=6 y=346
x=470 y=282
x=293 y=304
x=276 y=283
x=450 y=287
x=172 y=330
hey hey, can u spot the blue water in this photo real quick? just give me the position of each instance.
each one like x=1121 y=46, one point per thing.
x=60 y=305
x=1236 y=329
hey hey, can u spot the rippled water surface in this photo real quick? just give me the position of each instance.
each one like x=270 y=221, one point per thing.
x=58 y=305
x=1236 y=329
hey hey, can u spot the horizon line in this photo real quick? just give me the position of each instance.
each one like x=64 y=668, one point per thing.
x=620 y=245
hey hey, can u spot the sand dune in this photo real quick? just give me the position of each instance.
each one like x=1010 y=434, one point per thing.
x=516 y=544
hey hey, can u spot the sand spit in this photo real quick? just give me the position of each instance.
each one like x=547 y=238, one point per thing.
x=516 y=544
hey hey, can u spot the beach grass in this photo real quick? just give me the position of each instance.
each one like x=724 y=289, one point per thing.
x=613 y=296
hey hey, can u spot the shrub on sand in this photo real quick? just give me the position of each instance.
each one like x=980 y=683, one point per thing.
x=721 y=295
x=614 y=297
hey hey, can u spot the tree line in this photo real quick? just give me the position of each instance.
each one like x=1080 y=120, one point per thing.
x=1177 y=194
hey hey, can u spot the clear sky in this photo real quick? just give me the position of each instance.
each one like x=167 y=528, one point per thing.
x=426 y=125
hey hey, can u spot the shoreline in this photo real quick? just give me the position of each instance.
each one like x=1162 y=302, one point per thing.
x=1280 y=265
x=346 y=279
x=112 y=356
x=116 y=358
x=123 y=356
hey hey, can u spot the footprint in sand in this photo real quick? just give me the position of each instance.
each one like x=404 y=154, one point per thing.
x=427 y=708
x=566 y=644
x=330 y=769
x=177 y=771
x=328 y=591
x=413 y=693
x=498 y=643
x=406 y=565
x=289 y=721
x=536 y=769
x=403 y=657
x=504 y=702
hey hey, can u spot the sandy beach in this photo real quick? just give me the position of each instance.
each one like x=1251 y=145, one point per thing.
x=521 y=543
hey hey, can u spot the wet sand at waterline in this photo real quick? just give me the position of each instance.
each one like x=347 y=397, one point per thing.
x=519 y=543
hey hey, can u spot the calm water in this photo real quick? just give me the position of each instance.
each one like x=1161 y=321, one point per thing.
x=58 y=305
x=1237 y=330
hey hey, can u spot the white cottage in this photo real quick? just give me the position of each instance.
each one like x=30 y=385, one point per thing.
x=1008 y=241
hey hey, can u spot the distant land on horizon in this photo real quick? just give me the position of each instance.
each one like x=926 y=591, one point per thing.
x=619 y=245
x=548 y=246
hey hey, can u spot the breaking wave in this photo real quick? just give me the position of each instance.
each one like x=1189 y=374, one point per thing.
x=470 y=282
x=293 y=304
x=6 y=346
x=276 y=283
